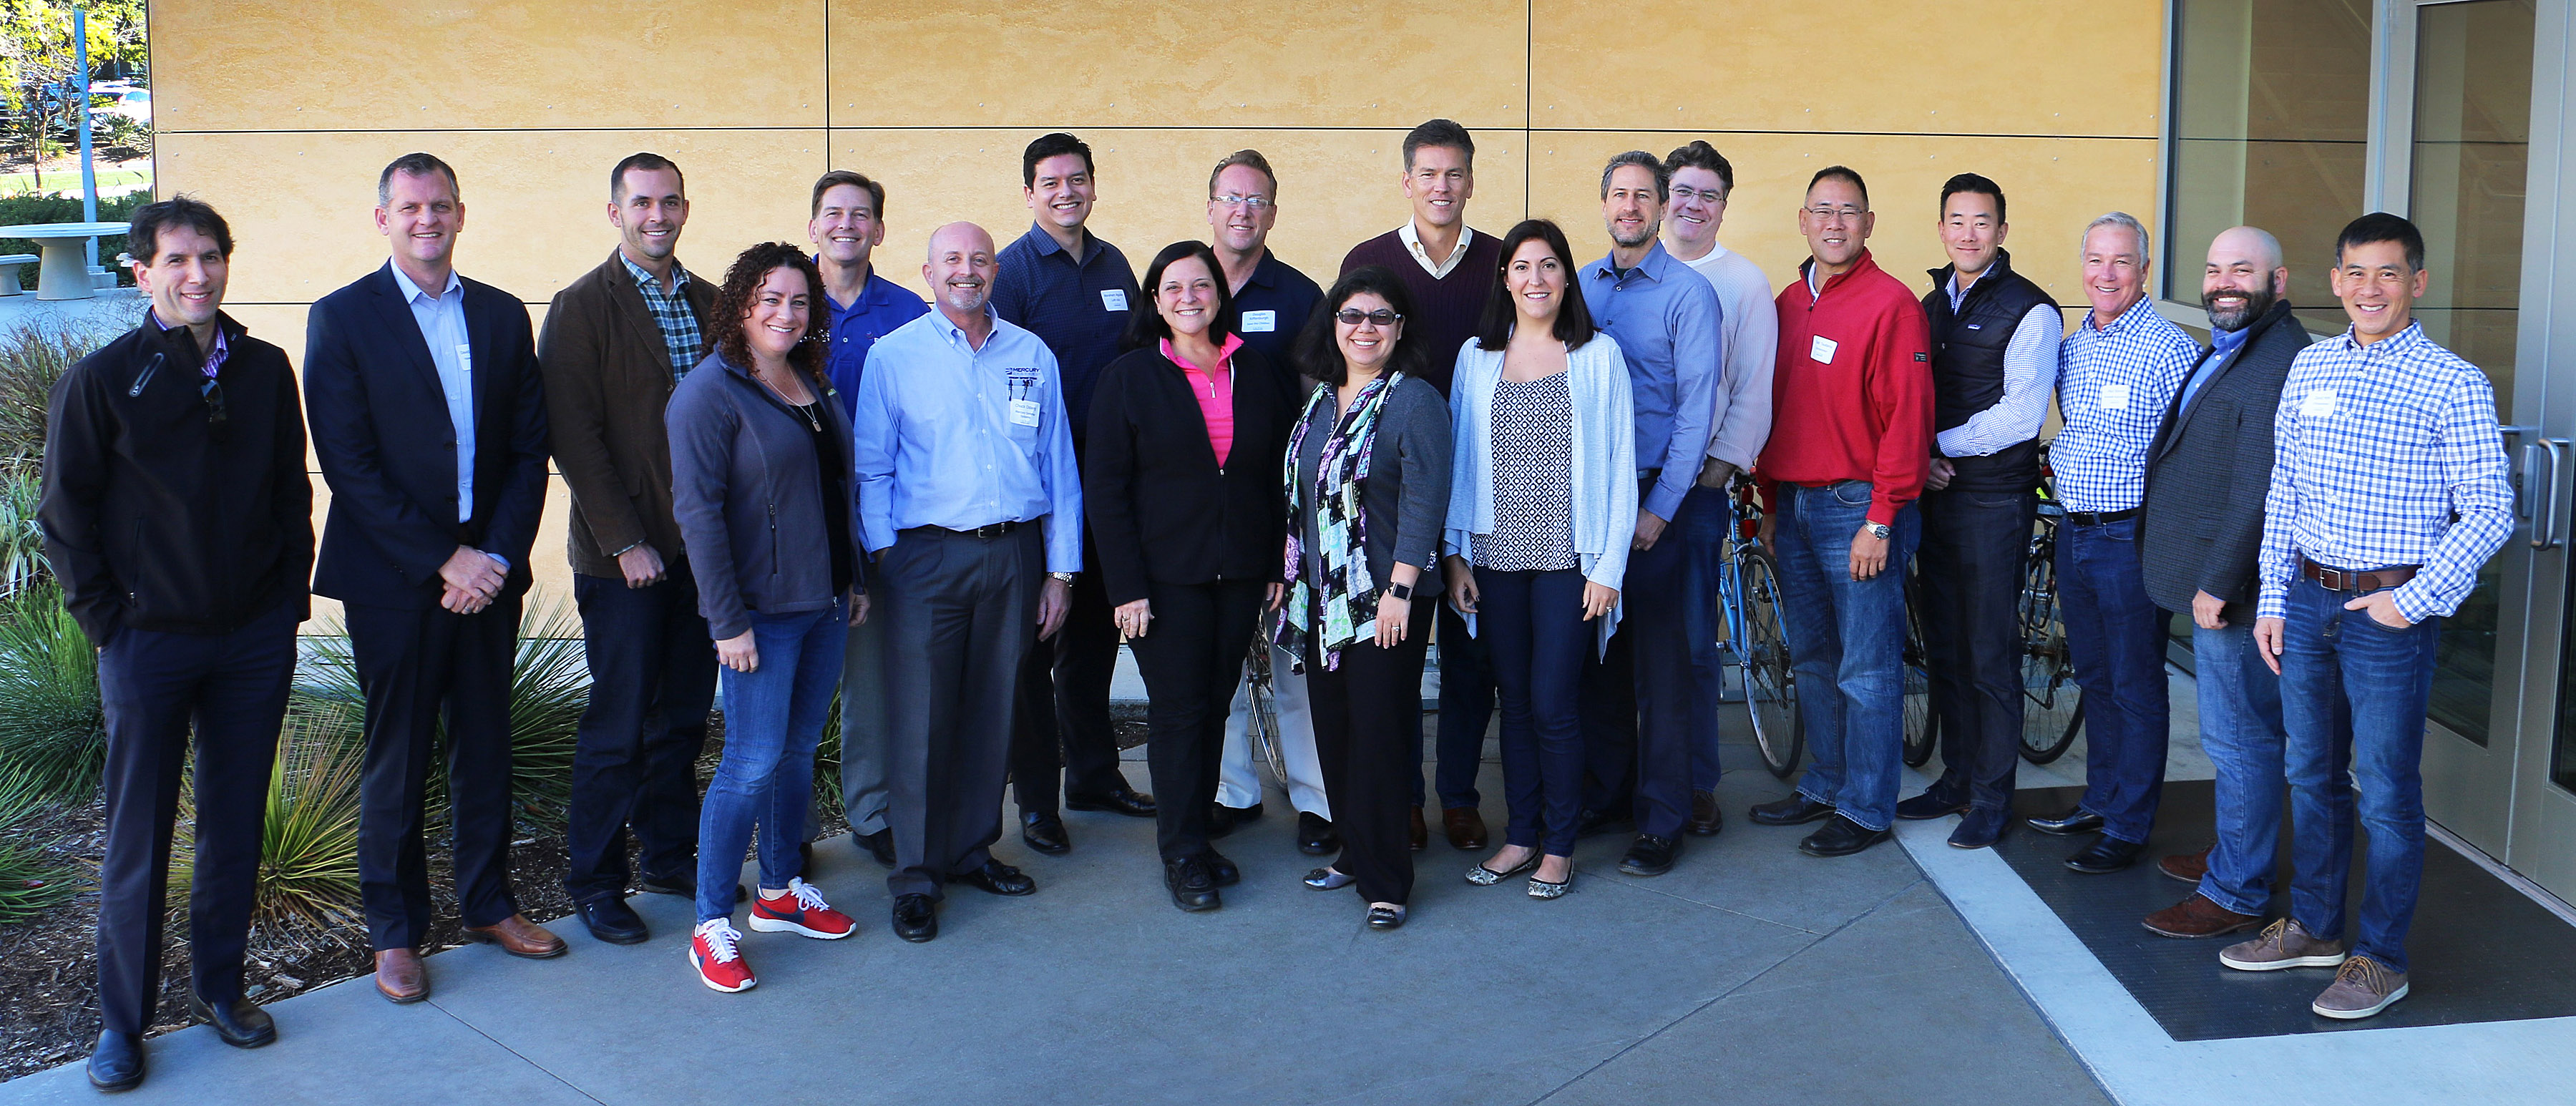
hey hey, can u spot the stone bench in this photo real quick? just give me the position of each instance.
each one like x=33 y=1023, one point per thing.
x=9 y=264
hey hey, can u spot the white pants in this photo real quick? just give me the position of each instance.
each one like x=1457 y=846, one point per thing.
x=1239 y=776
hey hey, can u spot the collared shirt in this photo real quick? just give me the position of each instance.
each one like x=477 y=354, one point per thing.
x=2223 y=344
x=2112 y=386
x=1750 y=332
x=2030 y=374
x=943 y=438
x=672 y=314
x=1079 y=309
x=1669 y=327
x=1273 y=306
x=1213 y=386
x=882 y=306
x=442 y=326
x=2383 y=455
x=1439 y=270
x=215 y=357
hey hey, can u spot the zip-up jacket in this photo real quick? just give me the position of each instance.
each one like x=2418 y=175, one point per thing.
x=749 y=497
x=1851 y=394
x=1161 y=510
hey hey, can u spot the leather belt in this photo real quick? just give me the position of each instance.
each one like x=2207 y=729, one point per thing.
x=2358 y=583
x=2100 y=518
x=987 y=533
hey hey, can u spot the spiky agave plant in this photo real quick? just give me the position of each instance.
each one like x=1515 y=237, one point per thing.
x=30 y=883
x=308 y=850
x=52 y=727
x=22 y=539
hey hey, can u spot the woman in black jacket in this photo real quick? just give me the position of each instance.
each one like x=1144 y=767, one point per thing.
x=1182 y=495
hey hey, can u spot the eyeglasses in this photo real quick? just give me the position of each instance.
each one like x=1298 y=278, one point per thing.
x=212 y=392
x=1708 y=195
x=1354 y=317
x=1256 y=203
x=1823 y=214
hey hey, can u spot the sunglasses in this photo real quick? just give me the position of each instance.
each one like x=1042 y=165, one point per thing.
x=212 y=392
x=1354 y=317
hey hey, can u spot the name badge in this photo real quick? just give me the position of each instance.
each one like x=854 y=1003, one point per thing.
x=1260 y=322
x=2317 y=404
x=2115 y=397
x=1822 y=349
x=1113 y=299
x=464 y=357
x=1024 y=412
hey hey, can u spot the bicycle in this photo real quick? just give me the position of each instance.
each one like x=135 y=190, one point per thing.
x=2052 y=709
x=1922 y=726
x=1748 y=590
x=1264 y=731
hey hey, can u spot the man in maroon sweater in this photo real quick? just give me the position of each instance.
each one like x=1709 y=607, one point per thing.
x=1450 y=269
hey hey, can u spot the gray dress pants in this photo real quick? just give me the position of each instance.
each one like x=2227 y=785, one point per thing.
x=962 y=614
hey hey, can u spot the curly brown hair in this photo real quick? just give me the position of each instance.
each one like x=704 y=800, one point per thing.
x=733 y=304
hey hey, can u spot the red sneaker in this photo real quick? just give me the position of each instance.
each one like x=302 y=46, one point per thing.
x=720 y=965
x=800 y=910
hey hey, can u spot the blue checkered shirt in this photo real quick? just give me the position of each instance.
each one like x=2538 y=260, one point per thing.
x=2112 y=387
x=671 y=313
x=2385 y=454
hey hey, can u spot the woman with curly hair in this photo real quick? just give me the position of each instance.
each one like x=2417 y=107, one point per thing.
x=768 y=509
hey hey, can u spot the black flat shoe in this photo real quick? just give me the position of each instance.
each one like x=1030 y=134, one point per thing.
x=1220 y=869
x=879 y=845
x=117 y=1063
x=1981 y=828
x=2074 y=821
x=240 y=1022
x=685 y=887
x=916 y=917
x=1192 y=889
x=1125 y=800
x=1841 y=837
x=1246 y=813
x=1315 y=836
x=611 y=920
x=1386 y=917
x=1044 y=833
x=2105 y=855
x=1651 y=855
x=998 y=878
x=1929 y=805
x=1795 y=810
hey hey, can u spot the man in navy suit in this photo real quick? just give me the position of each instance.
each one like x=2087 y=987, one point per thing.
x=429 y=418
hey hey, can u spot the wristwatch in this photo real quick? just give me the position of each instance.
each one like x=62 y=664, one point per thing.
x=1064 y=578
x=1402 y=592
x=1881 y=531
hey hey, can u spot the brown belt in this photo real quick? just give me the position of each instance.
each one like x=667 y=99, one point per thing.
x=2347 y=580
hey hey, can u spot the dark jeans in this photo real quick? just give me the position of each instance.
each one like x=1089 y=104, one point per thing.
x=2116 y=636
x=1466 y=708
x=1191 y=657
x=635 y=757
x=154 y=685
x=1062 y=727
x=2240 y=729
x=1969 y=588
x=1367 y=755
x=2353 y=697
x=414 y=665
x=1847 y=640
x=962 y=615
x=774 y=717
x=1638 y=700
x=1706 y=516
x=1532 y=624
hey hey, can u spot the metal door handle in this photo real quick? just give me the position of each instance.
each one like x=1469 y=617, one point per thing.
x=2540 y=491
x=2519 y=467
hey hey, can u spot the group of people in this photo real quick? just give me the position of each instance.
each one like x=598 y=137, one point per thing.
x=800 y=480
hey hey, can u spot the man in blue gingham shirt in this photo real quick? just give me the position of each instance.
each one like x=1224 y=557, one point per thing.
x=2388 y=492
x=681 y=337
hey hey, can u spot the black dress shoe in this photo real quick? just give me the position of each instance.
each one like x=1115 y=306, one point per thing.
x=117 y=1063
x=1929 y=805
x=1192 y=888
x=1125 y=800
x=1315 y=836
x=879 y=845
x=1220 y=869
x=1650 y=855
x=916 y=917
x=1220 y=820
x=1982 y=827
x=240 y=1022
x=1044 y=833
x=1246 y=813
x=2105 y=855
x=1795 y=810
x=684 y=886
x=998 y=878
x=611 y=920
x=1593 y=823
x=2074 y=821
x=1840 y=837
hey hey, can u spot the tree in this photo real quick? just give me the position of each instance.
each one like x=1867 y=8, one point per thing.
x=38 y=59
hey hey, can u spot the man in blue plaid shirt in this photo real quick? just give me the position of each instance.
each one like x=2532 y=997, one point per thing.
x=2388 y=493
x=2116 y=374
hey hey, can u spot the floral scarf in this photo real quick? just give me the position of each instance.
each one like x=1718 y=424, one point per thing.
x=1344 y=595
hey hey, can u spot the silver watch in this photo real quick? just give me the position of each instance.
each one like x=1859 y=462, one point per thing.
x=1065 y=578
x=1881 y=531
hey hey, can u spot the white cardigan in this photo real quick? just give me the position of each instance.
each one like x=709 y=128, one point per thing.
x=1604 y=475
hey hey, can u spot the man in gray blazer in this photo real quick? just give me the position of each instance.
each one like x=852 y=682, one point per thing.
x=2202 y=526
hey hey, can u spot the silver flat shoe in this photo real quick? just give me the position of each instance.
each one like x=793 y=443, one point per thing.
x=1326 y=879
x=1483 y=876
x=1386 y=917
x=1542 y=889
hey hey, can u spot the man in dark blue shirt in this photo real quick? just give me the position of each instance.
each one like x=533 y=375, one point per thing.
x=1074 y=292
x=1271 y=298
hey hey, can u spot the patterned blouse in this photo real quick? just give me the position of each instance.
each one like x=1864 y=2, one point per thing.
x=1533 y=451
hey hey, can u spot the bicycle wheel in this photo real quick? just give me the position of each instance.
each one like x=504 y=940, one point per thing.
x=1770 y=684
x=2052 y=708
x=1922 y=726
x=1265 y=713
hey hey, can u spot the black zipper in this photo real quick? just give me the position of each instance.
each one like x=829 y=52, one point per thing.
x=773 y=538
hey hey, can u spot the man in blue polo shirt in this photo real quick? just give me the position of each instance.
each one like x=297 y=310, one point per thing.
x=847 y=224
x=1074 y=292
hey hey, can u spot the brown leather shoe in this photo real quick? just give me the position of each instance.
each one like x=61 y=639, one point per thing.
x=1466 y=827
x=2187 y=867
x=2196 y=916
x=1704 y=818
x=1421 y=833
x=519 y=937
x=401 y=977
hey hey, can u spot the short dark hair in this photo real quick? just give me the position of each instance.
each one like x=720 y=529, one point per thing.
x=648 y=162
x=1970 y=183
x=1663 y=176
x=2380 y=226
x=143 y=235
x=1320 y=357
x=418 y=165
x=1249 y=159
x=742 y=280
x=1146 y=327
x=1700 y=155
x=1573 y=319
x=839 y=177
x=1439 y=132
x=1843 y=173
x=1055 y=144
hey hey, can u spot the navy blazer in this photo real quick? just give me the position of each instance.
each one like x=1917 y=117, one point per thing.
x=380 y=428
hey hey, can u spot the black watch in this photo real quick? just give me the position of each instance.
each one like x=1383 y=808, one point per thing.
x=1402 y=592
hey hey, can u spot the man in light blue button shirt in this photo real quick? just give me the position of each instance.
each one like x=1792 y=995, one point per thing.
x=442 y=325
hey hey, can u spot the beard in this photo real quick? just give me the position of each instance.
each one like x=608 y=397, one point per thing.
x=1644 y=235
x=2238 y=318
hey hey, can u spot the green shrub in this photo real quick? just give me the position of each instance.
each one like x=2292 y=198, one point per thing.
x=61 y=207
x=51 y=725
x=22 y=539
x=31 y=360
x=308 y=855
x=30 y=884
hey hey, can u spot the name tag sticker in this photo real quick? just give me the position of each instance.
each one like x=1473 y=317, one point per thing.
x=464 y=357
x=1113 y=299
x=2115 y=397
x=1024 y=412
x=1260 y=322
x=1822 y=349
x=2317 y=404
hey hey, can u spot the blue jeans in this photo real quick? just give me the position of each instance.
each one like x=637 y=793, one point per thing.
x=2116 y=636
x=1706 y=515
x=2353 y=697
x=2240 y=729
x=1532 y=625
x=1847 y=641
x=773 y=717
x=1466 y=708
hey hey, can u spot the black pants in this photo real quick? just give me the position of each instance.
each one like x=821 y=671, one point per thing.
x=962 y=614
x=1062 y=726
x=1466 y=708
x=415 y=664
x=1637 y=700
x=1533 y=625
x=652 y=681
x=232 y=688
x=1371 y=762
x=1969 y=588
x=1191 y=657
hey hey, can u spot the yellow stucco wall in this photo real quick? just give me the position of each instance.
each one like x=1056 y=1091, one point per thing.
x=280 y=114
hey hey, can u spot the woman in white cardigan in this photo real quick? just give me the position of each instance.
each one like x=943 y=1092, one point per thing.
x=1543 y=493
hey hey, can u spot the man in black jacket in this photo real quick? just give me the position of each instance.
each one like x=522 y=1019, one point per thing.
x=178 y=518
x=429 y=419
x=2203 y=524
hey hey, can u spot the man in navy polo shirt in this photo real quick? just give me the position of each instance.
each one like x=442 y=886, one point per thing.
x=847 y=224
x=1074 y=292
